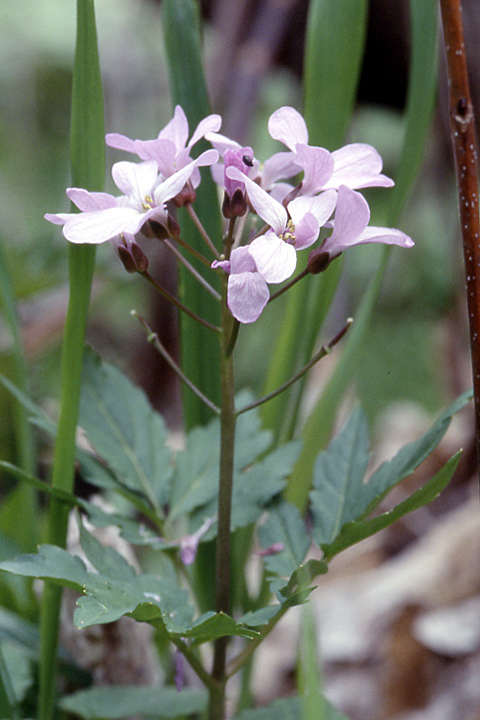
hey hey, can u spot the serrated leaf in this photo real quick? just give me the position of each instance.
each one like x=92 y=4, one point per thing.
x=338 y=478
x=50 y=563
x=195 y=483
x=125 y=431
x=115 y=703
x=409 y=457
x=284 y=525
x=340 y=496
x=354 y=532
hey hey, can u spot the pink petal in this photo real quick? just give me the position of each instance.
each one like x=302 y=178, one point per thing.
x=89 y=201
x=221 y=142
x=351 y=219
x=58 y=218
x=267 y=208
x=175 y=183
x=242 y=261
x=247 y=295
x=121 y=142
x=388 y=236
x=317 y=164
x=288 y=126
x=275 y=259
x=278 y=167
x=177 y=129
x=306 y=231
x=357 y=166
x=211 y=123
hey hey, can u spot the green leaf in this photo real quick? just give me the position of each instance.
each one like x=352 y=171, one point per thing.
x=115 y=703
x=125 y=431
x=146 y=598
x=106 y=560
x=410 y=456
x=354 y=532
x=340 y=495
x=338 y=478
x=195 y=482
x=287 y=709
x=19 y=668
x=333 y=60
x=284 y=525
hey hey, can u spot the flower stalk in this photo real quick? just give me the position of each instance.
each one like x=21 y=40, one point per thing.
x=223 y=546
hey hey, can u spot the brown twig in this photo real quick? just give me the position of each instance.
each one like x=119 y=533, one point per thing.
x=463 y=139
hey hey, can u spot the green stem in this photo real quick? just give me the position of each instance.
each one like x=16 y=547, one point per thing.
x=223 y=549
x=81 y=264
x=87 y=145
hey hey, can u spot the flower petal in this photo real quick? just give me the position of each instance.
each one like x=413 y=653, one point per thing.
x=136 y=180
x=278 y=167
x=358 y=166
x=247 y=295
x=288 y=126
x=275 y=259
x=321 y=206
x=177 y=129
x=351 y=219
x=121 y=142
x=175 y=183
x=90 y=201
x=317 y=164
x=212 y=123
x=102 y=225
x=267 y=208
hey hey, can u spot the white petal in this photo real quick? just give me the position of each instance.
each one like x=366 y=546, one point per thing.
x=288 y=126
x=135 y=180
x=275 y=259
x=221 y=142
x=321 y=206
x=98 y=227
x=175 y=183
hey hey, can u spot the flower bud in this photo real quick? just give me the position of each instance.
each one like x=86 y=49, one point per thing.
x=185 y=196
x=318 y=261
x=154 y=229
x=133 y=258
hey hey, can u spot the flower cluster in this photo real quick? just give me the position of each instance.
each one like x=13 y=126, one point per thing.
x=326 y=197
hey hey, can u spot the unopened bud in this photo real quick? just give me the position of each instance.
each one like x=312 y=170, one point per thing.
x=139 y=257
x=133 y=258
x=154 y=229
x=173 y=227
x=234 y=206
x=128 y=261
x=185 y=196
x=318 y=261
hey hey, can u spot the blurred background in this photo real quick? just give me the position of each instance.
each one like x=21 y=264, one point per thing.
x=415 y=358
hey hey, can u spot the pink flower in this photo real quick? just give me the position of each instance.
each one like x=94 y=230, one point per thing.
x=170 y=150
x=356 y=165
x=352 y=216
x=292 y=229
x=280 y=166
x=104 y=217
x=247 y=292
